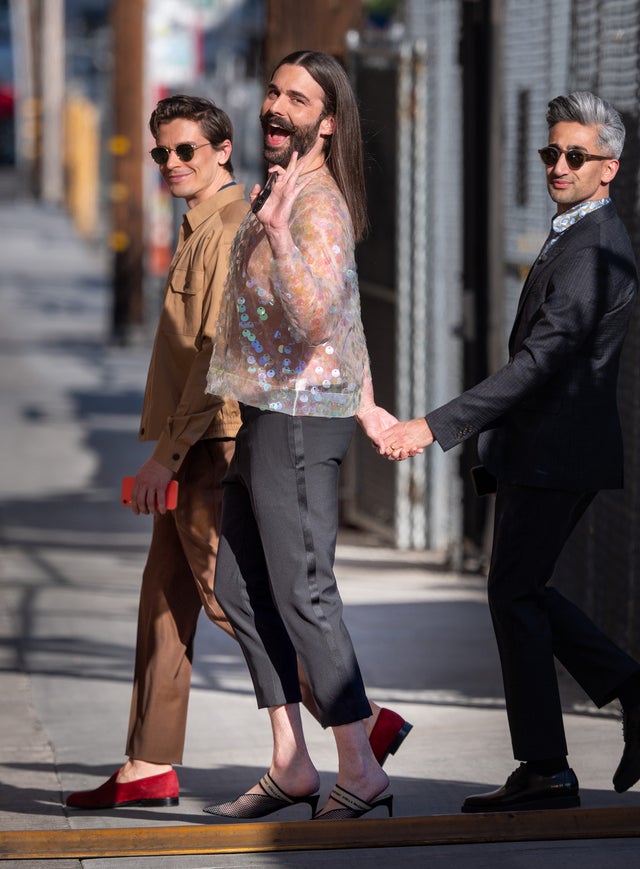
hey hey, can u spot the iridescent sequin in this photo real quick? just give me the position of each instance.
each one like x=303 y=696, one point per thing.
x=289 y=334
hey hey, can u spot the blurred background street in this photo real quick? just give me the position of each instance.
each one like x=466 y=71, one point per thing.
x=453 y=94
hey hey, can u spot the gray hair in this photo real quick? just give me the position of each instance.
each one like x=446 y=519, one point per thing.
x=585 y=108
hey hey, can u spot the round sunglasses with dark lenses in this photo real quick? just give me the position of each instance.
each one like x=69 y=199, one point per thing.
x=184 y=151
x=574 y=156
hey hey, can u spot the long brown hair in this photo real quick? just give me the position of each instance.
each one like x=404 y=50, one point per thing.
x=344 y=151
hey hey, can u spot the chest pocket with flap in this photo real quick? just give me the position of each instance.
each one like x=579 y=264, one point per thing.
x=182 y=313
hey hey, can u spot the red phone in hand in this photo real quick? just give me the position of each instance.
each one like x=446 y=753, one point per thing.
x=171 y=495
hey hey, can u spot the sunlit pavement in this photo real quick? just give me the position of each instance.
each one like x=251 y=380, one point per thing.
x=69 y=579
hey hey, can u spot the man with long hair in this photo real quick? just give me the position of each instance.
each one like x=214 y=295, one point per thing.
x=290 y=349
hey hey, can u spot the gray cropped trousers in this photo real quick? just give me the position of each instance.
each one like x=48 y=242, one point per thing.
x=274 y=573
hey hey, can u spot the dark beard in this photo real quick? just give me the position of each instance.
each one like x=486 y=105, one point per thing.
x=301 y=139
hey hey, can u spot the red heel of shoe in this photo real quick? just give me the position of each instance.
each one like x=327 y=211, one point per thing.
x=155 y=790
x=388 y=734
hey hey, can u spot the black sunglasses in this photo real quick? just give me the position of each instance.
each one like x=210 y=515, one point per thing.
x=185 y=152
x=574 y=156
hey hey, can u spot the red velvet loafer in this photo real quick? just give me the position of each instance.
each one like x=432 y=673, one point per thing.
x=388 y=734
x=155 y=790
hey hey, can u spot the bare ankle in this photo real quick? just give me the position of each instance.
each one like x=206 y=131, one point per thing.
x=135 y=769
x=298 y=779
x=370 y=723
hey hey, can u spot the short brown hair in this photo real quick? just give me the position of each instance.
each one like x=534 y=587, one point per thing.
x=215 y=124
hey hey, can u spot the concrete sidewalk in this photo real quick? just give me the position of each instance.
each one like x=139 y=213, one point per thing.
x=71 y=564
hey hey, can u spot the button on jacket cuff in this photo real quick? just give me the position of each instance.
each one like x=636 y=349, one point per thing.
x=447 y=431
x=171 y=454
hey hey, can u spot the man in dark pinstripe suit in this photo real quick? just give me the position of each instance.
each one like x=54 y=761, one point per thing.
x=550 y=438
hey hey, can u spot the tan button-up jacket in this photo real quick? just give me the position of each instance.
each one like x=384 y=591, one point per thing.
x=176 y=411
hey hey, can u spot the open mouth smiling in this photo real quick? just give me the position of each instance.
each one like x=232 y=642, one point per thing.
x=276 y=132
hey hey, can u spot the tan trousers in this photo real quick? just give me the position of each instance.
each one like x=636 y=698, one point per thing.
x=177 y=582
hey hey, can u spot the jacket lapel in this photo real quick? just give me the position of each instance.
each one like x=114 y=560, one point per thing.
x=546 y=261
x=535 y=272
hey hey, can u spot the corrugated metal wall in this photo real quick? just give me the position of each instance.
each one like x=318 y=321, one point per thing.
x=549 y=49
x=535 y=69
x=601 y=567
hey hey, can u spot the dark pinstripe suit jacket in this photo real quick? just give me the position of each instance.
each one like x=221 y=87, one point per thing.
x=549 y=417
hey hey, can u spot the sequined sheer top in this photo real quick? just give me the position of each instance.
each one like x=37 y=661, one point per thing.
x=289 y=337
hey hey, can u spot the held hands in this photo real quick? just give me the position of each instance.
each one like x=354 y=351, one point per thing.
x=405 y=439
x=148 y=494
x=393 y=439
x=374 y=420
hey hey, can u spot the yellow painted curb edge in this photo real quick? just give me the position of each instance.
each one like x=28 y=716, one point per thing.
x=321 y=835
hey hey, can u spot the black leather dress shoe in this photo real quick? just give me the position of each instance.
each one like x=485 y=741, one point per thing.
x=525 y=789
x=628 y=771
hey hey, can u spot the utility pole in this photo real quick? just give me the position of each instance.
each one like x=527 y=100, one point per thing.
x=126 y=147
x=52 y=89
x=24 y=34
x=320 y=25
